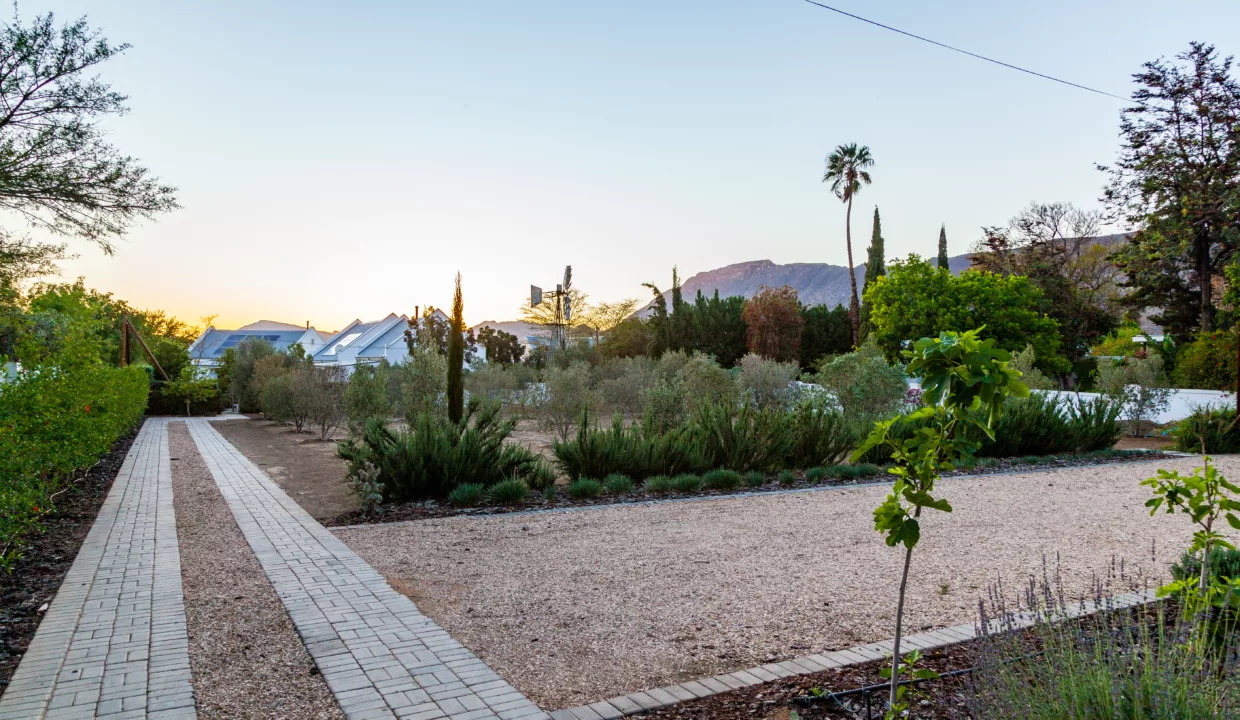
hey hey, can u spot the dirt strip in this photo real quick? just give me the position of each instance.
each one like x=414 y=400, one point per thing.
x=246 y=659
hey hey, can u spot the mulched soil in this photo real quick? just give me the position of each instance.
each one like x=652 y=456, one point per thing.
x=48 y=555
x=941 y=699
x=536 y=501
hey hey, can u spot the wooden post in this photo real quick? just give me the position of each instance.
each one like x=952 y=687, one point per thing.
x=124 y=340
x=150 y=356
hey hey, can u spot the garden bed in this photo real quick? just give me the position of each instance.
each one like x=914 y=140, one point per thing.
x=838 y=476
x=942 y=699
x=48 y=555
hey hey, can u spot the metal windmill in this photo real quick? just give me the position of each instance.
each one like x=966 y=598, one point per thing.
x=562 y=309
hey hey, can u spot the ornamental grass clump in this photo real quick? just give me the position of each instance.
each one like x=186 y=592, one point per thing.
x=686 y=483
x=754 y=479
x=508 y=492
x=721 y=480
x=658 y=485
x=467 y=495
x=786 y=478
x=585 y=488
x=815 y=474
x=617 y=484
x=965 y=381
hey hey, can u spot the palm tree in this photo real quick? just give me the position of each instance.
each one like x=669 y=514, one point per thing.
x=846 y=172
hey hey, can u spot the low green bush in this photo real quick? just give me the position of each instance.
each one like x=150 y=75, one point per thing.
x=754 y=479
x=816 y=474
x=1035 y=424
x=721 y=479
x=618 y=484
x=1096 y=423
x=433 y=456
x=743 y=438
x=585 y=488
x=786 y=478
x=541 y=477
x=1224 y=563
x=507 y=492
x=1213 y=431
x=686 y=483
x=637 y=451
x=1208 y=362
x=821 y=436
x=467 y=495
x=658 y=485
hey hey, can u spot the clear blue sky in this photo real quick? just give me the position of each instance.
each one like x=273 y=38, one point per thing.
x=338 y=160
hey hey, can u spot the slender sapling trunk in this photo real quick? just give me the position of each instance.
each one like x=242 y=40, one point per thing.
x=895 y=646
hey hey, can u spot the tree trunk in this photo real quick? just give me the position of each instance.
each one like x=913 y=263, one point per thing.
x=895 y=646
x=1204 y=276
x=854 y=316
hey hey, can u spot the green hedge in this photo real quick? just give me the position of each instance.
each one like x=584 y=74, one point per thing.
x=55 y=420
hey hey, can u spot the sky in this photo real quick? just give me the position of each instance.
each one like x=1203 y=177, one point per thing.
x=345 y=160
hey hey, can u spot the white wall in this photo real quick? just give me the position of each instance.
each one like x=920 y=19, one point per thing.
x=1183 y=402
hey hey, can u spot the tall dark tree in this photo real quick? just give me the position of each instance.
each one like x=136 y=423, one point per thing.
x=672 y=329
x=846 y=171
x=1177 y=181
x=456 y=356
x=826 y=332
x=719 y=327
x=875 y=267
x=56 y=170
x=944 y=263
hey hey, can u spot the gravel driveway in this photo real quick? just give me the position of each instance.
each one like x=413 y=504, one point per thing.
x=578 y=606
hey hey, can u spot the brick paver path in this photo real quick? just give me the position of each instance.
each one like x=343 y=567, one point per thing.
x=379 y=655
x=113 y=643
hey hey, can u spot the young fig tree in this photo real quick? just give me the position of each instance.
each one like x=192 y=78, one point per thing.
x=1207 y=498
x=965 y=381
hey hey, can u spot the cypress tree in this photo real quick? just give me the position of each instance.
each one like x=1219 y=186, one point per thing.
x=875 y=266
x=456 y=356
x=943 y=247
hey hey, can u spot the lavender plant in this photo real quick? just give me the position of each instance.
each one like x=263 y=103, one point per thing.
x=965 y=381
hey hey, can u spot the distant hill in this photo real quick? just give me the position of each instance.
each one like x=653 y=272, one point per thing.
x=815 y=283
x=513 y=327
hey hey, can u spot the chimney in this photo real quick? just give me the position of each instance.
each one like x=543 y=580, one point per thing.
x=307 y=324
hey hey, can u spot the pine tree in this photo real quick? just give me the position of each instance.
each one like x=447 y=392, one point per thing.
x=943 y=262
x=875 y=266
x=456 y=356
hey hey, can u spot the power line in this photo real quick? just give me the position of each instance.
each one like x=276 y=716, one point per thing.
x=966 y=52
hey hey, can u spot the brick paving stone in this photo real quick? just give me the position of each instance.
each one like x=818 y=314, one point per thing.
x=362 y=634
x=113 y=642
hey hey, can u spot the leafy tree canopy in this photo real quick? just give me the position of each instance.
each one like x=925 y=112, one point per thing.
x=56 y=170
x=1176 y=182
x=914 y=300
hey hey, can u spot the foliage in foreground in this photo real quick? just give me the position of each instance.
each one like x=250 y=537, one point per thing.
x=965 y=383
x=434 y=456
x=1120 y=664
x=59 y=415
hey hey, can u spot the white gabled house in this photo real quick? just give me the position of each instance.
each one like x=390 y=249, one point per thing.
x=207 y=351
x=368 y=343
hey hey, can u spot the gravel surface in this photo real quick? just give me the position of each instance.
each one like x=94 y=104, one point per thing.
x=579 y=606
x=245 y=657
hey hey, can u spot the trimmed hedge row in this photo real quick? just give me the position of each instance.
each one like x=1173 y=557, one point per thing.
x=55 y=420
